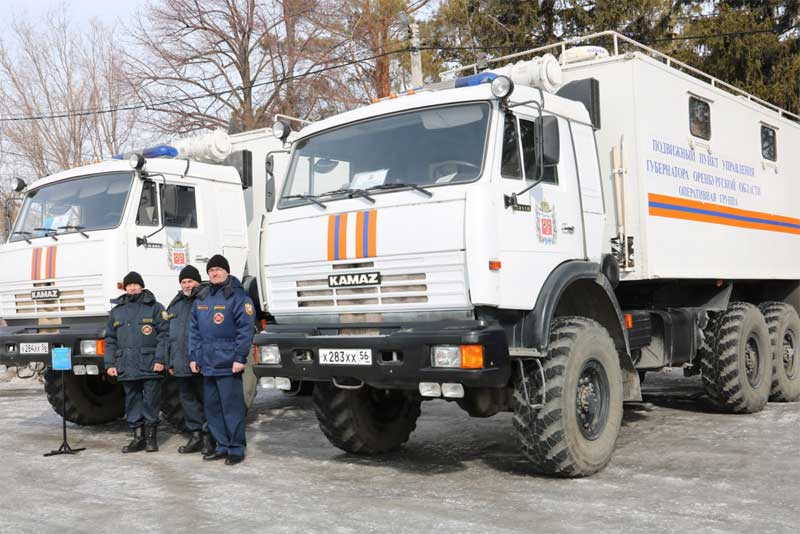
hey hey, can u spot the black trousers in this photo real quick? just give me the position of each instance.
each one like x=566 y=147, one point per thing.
x=142 y=401
x=191 y=395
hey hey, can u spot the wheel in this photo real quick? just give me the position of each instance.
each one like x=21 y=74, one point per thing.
x=171 y=406
x=573 y=430
x=784 y=335
x=90 y=399
x=365 y=420
x=736 y=361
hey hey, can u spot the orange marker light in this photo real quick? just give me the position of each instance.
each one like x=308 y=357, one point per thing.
x=471 y=356
x=100 y=345
x=494 y=265
x=628 y=321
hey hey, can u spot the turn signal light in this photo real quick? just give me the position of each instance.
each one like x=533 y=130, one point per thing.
x=494 y=265
x=471 y=356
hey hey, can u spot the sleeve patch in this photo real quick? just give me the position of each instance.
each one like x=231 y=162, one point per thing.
x=166 y=316
x=248 y=308
x=116 y=324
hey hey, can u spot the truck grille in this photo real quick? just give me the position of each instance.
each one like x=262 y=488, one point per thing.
x=436 y=280
x=67 y=301
x=394 y=289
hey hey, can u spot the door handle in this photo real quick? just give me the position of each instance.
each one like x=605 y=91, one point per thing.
x=567 y=228
x=201 y=259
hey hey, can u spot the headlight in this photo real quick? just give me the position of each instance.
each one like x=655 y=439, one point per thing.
x=88 y=347
x=446 y=356
x=270 y=354
x=502 y=86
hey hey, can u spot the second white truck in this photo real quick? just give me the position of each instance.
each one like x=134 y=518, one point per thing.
x=536 y=238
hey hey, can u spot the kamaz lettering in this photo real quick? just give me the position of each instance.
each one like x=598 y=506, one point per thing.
x=350 y=280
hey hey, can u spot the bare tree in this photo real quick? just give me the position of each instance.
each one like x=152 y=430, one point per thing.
x=235 y=62
x=54 y=81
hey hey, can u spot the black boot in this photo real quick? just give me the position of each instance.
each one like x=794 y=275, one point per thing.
x=209 y=445
x=194 y=444
x=137 y=443
x=150 y=437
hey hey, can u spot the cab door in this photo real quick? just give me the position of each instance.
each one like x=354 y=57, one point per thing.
x=544 y=227
x=167 y=234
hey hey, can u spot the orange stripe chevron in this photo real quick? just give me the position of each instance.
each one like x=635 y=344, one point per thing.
x=33 y=263
x=372 y=245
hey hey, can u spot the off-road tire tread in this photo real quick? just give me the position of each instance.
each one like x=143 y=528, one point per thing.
x=719 y=364
x=541 y=432
x=336 y=408
x=773 y=312
x=81 y=410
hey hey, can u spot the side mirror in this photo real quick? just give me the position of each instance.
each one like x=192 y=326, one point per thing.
x=269 y=165
x=550 y=145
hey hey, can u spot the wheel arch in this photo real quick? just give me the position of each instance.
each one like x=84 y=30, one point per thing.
x=580 y=288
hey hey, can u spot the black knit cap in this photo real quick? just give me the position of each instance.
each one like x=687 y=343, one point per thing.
x=218 y=260
x=132 y=278
x=191 y=272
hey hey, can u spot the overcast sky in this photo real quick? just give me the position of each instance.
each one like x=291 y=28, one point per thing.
x=108 y=11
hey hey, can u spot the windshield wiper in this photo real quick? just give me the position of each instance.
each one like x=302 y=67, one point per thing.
x=310 y=198
x=399 y=185
x=78 y=229
x=24 y=235
x=49 y=232
x=350 y=193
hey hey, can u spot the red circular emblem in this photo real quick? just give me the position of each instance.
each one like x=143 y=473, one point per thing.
x=219 y=318
x=147 y=330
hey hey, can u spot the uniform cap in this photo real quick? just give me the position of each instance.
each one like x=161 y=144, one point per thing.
x=132 y=278
x=191 y=272
x=218 y=260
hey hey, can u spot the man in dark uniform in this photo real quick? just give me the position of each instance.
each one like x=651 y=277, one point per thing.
x=190 y=384
x=136 y=348
x=221 y=337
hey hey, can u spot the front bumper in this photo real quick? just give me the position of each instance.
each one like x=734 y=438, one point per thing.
x=55 y=336
x=400 y=353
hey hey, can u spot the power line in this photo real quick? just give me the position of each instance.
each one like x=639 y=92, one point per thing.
x=197 y=96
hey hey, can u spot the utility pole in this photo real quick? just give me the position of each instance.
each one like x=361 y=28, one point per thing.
x=416 y=55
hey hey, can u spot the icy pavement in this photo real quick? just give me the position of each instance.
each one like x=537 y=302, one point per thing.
x=678 y=468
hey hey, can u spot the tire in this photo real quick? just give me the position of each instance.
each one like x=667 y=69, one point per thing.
x=90 y=399
x=552 y=435
x=367 y=420
x=171 y=406
x=783 y=324
x=736 y=361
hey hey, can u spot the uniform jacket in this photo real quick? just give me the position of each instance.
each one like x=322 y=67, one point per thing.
x=137 y=335
x=222 y=328
x=179 y=313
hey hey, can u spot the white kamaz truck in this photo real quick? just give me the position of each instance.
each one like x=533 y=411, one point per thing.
x=534 y=238
x=80 y=231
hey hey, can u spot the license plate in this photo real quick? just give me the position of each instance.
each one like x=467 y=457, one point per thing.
x=345 y=356
x=33 y=348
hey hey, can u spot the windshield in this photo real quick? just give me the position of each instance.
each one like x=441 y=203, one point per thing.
x=89 y=203
x=434 y=146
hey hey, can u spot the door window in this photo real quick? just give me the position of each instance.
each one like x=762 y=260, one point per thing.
x=513 y=143
x=178 y=206
x=147 y=214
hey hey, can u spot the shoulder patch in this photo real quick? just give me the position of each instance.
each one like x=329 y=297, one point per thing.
x=165 y=315
x=116 y=324
x=248 y=308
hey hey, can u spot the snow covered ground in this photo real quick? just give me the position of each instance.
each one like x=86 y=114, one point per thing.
x=678 y=468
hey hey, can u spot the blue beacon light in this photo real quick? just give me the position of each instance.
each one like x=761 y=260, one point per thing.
x=475 y=79
x=158 y=151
